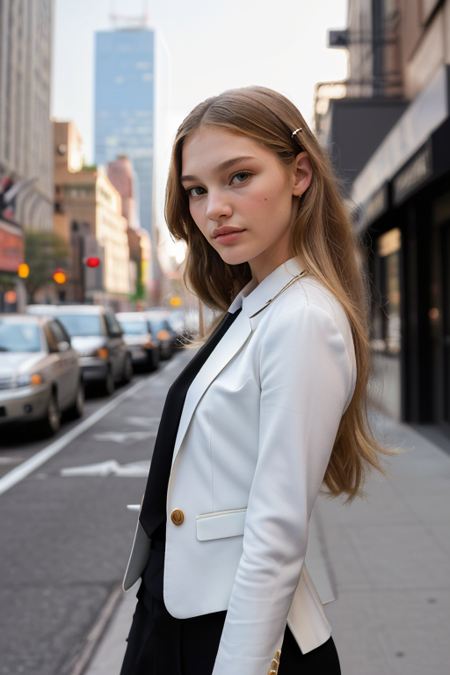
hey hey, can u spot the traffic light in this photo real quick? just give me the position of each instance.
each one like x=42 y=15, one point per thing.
x=175 y=301
x=10 y=297
x=23 y=270
x=59 y=276
x=92 y=261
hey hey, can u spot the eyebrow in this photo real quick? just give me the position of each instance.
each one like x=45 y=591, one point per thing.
x=221 y=167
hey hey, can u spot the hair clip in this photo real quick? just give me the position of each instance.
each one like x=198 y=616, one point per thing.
x=297 y=131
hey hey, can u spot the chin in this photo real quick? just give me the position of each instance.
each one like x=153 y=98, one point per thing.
x=233 y=257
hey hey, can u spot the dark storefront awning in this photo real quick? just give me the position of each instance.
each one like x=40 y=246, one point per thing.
x=408 y=157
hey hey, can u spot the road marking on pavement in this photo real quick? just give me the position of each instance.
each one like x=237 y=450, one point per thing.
x=123 y=437
x=110 y=468
x=20 y=472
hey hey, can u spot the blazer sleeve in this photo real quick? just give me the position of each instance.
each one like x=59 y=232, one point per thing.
x=306 y=380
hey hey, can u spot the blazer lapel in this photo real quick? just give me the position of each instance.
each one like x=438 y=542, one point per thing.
x=230 y=344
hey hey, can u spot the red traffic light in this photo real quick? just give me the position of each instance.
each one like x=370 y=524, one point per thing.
x=92 y=262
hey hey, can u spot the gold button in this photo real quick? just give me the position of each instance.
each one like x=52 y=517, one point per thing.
x=177 y=516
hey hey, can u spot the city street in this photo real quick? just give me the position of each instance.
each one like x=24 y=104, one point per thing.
x=65 y=531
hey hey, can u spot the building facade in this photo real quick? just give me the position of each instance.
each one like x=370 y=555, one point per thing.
x=130 y=78
x=88 y=215
x=122 y=175
x=401 y=196
x=26 y=169
x=25 y=128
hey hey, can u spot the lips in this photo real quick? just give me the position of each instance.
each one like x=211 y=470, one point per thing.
x=226 y=235
x=219 y=231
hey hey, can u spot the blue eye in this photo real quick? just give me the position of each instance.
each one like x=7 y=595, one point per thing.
x=240 y=176
x=195 y=191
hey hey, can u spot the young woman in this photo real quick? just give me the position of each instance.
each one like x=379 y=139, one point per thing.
x=269 y=409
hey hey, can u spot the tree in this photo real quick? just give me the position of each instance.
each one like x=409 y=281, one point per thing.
x=44 y=252
x=139 y=293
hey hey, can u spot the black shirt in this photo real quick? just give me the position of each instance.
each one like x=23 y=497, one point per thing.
x=153 y=513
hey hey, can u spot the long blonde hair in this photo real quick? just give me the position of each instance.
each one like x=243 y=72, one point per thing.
x=322 y=233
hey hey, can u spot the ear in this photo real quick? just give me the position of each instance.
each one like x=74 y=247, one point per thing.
x=302 y=174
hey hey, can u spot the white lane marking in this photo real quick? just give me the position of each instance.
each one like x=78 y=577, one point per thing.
x=110 y=468
x=20 y=472
x=123 y=437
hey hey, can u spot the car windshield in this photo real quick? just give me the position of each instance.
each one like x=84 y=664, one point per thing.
x=156 y=325
x=19 y=337
x=81 y=325
x=134 y=327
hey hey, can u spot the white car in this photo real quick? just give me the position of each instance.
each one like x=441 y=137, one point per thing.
x=98 y=339
x=40 y=374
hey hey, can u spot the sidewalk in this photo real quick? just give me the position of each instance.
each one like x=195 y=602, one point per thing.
x=386 y=560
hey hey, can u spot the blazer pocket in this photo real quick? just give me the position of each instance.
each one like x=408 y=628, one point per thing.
x=221 y=524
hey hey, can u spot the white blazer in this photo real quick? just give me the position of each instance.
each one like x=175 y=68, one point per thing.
x=254 y=440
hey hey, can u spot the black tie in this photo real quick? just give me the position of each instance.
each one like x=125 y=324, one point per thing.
x=153 y=512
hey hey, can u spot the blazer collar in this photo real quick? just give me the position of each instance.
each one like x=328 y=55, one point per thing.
x=252 y=299
x=229 y=345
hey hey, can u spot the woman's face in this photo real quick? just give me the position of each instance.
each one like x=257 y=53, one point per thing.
x=241 y=198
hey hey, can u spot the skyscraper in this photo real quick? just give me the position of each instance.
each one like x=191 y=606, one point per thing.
x=26 y=160
x=129 y=74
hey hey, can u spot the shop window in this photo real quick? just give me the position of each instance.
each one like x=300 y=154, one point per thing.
x=386 y=326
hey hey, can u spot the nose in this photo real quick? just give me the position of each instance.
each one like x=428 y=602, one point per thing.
x=218 y=206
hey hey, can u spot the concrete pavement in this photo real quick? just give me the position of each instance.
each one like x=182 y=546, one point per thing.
x=386 y=559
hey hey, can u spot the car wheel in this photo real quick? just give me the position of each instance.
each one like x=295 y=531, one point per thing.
x=108 y=385
x=127 y=370
x=52 y=420
x=76 y=409
x=153 y=360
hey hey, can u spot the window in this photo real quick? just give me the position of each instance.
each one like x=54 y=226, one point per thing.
x=82 y=325
x=134 y=327
x=387 y=313
x=112 y=324
x=59 y=332
x=19 y=337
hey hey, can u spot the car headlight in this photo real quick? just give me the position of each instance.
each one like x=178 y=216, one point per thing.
x=27 y=380
x=147 y=341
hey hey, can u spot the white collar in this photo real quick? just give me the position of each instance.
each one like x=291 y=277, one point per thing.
x=254 y=298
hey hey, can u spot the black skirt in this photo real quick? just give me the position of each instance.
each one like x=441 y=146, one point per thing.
x=159 y=644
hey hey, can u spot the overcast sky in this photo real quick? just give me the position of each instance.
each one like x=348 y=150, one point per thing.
x=213 y=45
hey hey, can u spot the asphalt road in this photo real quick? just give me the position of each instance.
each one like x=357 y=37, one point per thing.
x=65 y=531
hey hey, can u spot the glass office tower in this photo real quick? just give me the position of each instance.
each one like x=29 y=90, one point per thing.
x=125 y=106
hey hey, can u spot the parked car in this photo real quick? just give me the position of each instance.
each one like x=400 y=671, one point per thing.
x=145 y=347
x=40 y=374
x=177 y=321
x=161 y=328
x=98 y=338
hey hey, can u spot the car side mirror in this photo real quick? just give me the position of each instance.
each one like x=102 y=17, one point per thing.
x=63 y=346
